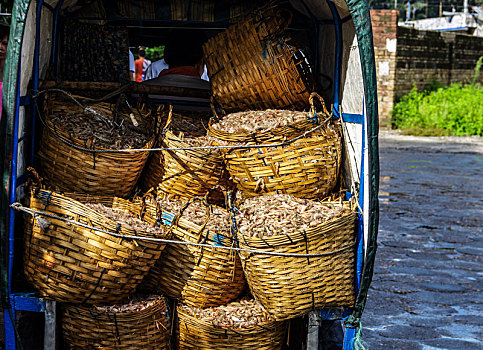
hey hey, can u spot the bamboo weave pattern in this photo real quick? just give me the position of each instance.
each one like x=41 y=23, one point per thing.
x=74 y=170
x=202 y=335
x=73 y=264
x=252 y=66
x=292 y=286
x=93 y=328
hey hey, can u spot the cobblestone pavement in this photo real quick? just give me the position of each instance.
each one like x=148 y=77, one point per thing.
x=427 y=287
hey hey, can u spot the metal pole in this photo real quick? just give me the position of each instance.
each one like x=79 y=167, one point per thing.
x=338 y=56
x=53 y=59
x=313 y=331
x=50 y=325
x=9 y=318
x=465 y=6
x=36 y=68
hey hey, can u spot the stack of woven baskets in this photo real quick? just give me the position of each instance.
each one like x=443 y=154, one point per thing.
x=79 y=251
x=84 y=246
x=249 y=198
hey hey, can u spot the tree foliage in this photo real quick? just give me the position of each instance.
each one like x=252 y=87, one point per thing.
x=154 y=53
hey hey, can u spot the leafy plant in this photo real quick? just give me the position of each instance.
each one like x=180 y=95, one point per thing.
x=442 y=110
x=477 y=71
x=451 y=110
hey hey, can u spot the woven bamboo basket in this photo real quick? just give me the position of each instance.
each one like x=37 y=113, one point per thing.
x=201 y=335
x=288 y=287
x=100 y=328
x=306 y=168
x=199 y=277
x=70 y=263
x=252 y=65
x=184 y=174
x=305 y=161
x=75 y=170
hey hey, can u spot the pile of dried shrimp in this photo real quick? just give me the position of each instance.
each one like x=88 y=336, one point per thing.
x=137 y=304
x=236 y=315
x=124 y=218
x=196 y=212
x=96 y=133
x=283 y=214
x=259 y=121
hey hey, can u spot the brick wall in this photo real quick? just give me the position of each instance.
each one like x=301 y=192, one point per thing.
x=425 y=56
x=384 y=27
x=420 y=57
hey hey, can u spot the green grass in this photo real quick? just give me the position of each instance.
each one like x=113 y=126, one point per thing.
x=451 y=110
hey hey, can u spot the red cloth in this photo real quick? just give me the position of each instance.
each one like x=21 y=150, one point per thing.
x=190 y=71
x=138 y=64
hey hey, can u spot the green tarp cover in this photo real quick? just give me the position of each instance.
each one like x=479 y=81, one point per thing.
x=19 y=14
x=362 y=21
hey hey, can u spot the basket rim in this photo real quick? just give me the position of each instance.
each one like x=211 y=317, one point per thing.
x=269 y=325
x=281 y=240
x=66 y=137
x=119 y=228
x=275 y=133
x=88 y=309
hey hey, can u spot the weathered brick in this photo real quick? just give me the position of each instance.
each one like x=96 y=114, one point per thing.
x=420 y=58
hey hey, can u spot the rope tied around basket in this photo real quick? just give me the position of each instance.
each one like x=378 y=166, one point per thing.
x=159 y=213
x=306 y=244
x=208 y=211
x=232 y=208
x=270 y=145
x=19 y=207
x=90 y=110
x=117 y=329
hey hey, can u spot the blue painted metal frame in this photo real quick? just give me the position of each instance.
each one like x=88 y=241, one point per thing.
x=9 y=316
x=350 y=333
x=360 y=231
x=27 y=302
x=338 y=57
x=352 y=118
x=20 y=301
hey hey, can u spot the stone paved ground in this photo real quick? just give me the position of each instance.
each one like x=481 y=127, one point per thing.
x=427 y=287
